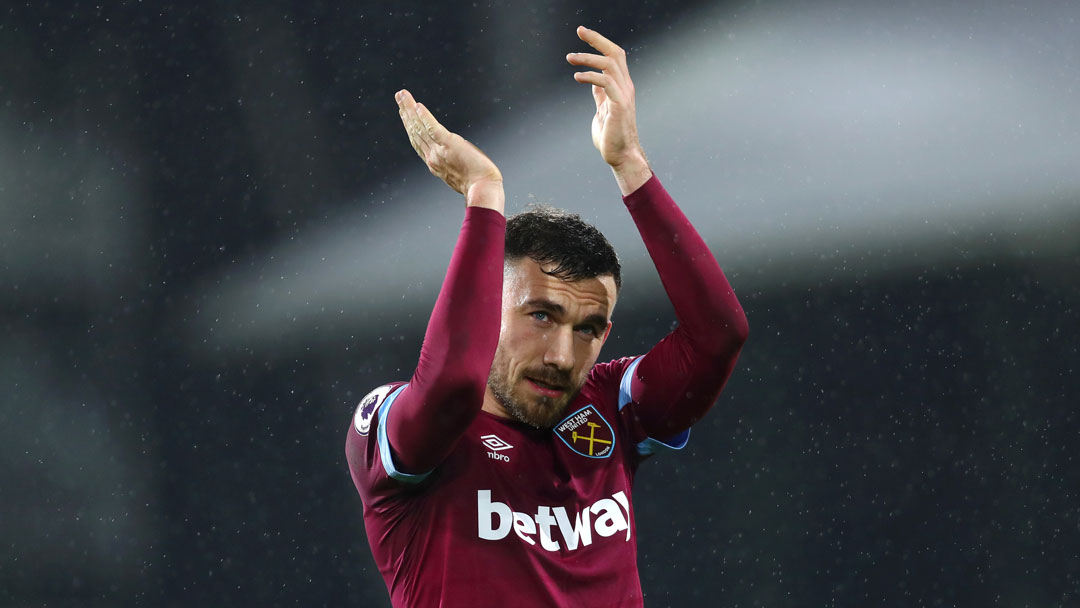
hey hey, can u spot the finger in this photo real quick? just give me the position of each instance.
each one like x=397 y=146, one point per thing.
x=404 y=99
x=406 y=110
x=420 y=129
x=399 y=97
x=602 y=44
x=604 y=81
x=591 y=60
x=412 y=124
x=598 y=62
x=404 y=119
x=417 y=142
x=436 y=132
x=416 y=148
x=411 y=117
x=407 y=122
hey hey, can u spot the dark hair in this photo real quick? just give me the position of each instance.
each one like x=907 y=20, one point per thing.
x=553 y=236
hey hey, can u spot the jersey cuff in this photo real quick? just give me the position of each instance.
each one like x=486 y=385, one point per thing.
x=384 y=444
x=649 y=446
x=656 y=446
x=624 y=385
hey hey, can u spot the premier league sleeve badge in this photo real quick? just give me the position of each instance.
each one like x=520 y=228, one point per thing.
x=367 y=408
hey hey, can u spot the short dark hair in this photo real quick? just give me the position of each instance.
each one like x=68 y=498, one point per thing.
x=550 y=235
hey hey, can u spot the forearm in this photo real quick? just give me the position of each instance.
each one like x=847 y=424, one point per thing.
x=708 y=311
x=681 y=377
x=446 y=390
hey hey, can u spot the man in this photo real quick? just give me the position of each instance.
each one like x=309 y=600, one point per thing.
x=501 y=473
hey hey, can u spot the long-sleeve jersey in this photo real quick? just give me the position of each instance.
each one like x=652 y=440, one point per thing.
x=464 y=508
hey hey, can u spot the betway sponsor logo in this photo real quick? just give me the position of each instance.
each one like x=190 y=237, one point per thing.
x=606 y=517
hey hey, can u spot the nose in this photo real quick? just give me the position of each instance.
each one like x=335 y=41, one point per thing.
x=560 y=348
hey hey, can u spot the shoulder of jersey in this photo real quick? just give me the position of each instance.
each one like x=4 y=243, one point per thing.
x=610 y=370
x=369 y=405
x=607 y=376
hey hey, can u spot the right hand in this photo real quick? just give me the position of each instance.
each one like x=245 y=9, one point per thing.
x=449 y=156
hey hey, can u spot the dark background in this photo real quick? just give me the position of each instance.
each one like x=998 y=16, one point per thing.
x=902 y=438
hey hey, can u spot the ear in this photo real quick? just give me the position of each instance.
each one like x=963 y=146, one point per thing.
x=607 y=332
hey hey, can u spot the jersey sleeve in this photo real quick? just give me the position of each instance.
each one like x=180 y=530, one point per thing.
x=366 y=449
x=616 y=376
x=678 y=380
x=400 y=431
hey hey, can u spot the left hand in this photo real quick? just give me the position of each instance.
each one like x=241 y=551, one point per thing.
x=614 y=127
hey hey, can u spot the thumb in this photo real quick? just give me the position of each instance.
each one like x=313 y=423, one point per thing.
x=599 y=96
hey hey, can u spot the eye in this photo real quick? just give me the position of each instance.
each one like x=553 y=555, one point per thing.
x=540 y=316
x=589 y=330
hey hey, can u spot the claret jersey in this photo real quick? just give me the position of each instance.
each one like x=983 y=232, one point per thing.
x=514 y=515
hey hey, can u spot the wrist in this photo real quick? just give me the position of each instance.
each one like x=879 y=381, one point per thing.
x=632 y=173
x=486 y=193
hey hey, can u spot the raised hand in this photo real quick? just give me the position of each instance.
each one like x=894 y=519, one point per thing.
x=451 y=157
x=614 y=126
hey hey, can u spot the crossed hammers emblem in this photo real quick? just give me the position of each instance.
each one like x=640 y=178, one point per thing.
x=591 y=438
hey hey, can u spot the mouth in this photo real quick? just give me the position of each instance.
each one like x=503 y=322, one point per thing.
x=548 y=390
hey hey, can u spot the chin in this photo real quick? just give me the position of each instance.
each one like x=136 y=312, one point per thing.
x=547 y=418
x=524 y=406
x=540 y=413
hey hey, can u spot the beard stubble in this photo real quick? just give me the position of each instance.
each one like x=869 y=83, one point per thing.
x=536 y=411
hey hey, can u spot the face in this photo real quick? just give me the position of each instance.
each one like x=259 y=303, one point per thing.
x=551 y=335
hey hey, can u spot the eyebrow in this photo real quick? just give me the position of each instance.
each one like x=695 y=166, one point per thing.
x=594 y=319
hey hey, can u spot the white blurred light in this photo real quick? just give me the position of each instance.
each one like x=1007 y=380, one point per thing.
x=801 y=141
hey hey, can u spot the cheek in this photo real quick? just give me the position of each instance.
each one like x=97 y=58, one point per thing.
x=520 y=336
x=587 y=355
x=513 y=325
x=513 y=352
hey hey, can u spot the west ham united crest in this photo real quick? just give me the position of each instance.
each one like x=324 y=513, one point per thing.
x=587 y=433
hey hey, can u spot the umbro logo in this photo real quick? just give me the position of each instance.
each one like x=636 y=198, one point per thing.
x=492 y=442
x=496 y=445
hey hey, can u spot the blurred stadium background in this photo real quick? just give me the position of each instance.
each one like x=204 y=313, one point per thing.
x=214 y=239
